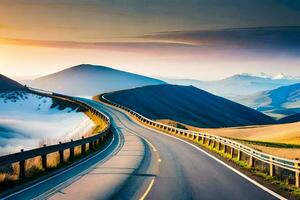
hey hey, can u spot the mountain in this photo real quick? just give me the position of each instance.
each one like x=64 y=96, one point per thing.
x=290 y=119
x=7 y=84
x=280 y=102
x=188 y=105
x=240 y=85
x=89 y=80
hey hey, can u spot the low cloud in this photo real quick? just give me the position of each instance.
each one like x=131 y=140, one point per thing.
x=273 y=38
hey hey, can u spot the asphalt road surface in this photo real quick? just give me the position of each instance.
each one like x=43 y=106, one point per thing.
x=185 y=172
x=178 y=170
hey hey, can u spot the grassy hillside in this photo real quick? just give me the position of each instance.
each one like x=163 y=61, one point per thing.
x=89 y=80
x=188 y=105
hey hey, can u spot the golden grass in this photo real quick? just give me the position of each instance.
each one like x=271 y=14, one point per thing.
x=281 y=133
x=99 y=123
x=281 y=152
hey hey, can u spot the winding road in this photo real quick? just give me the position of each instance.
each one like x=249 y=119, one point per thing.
x=170 y=169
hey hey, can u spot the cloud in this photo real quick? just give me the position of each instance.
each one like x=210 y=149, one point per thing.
x=264 y=38
x=240 y=42
x=94 y=45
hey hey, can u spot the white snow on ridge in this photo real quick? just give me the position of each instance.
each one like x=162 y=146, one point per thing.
x=27 y=121
x=279 y=76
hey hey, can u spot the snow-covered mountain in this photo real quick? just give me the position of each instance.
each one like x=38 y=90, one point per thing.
x=90 y=80
x=281 y=76
x=238 y=86
x=28 y=120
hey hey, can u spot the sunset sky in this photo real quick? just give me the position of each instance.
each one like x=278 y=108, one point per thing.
x=199 y=39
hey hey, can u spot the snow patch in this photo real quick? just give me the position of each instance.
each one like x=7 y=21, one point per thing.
x=27 y=121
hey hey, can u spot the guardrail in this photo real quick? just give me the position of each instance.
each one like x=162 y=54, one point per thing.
x=236 y=149
x=92 y=141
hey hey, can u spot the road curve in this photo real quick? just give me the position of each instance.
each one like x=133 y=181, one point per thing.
x=187 y=173
x=44 y=185
x=176 y=170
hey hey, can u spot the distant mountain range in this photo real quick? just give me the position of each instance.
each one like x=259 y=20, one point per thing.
x=278 y=103
x=237 y=86
x=90 y=80
x=188 y=105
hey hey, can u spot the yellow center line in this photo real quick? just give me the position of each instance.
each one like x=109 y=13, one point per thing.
x=148 y=189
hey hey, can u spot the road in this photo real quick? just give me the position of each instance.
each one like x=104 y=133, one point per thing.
x=171 y=169
x=185 y=172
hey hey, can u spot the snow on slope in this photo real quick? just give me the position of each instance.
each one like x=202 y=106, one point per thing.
x=28 y=121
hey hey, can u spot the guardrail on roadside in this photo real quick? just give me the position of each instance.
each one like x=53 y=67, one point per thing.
x=274 y=163
x=92 y=141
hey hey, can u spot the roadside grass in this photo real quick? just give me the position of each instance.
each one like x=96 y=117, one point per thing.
x=282 y=185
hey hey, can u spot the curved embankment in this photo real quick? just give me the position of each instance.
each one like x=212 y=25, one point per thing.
x=276 y=166
x=67 y=151
x=116 y=165
x=117 y=172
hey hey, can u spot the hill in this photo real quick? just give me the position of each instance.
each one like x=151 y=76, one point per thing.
x=188 y=105
x=7 y=85
x=290 y=119
x=237 y=86
x=89 y=80
x=279 y=103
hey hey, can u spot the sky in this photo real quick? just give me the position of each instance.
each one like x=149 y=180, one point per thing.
x=197 y=39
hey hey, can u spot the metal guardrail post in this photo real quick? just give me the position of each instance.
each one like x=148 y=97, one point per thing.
x=297 y=173
x=251 y=161
x=22 y=169
x=199 y=138
x=61 y=155
x=195 y=137
x=272 y=167
x=91 y=146
x=239 y=156
x=209 y=142
x=214 y=144
x=225 y=147
x=231 y=152
x=219 y=146
x=44 y=159
x=72 y=153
